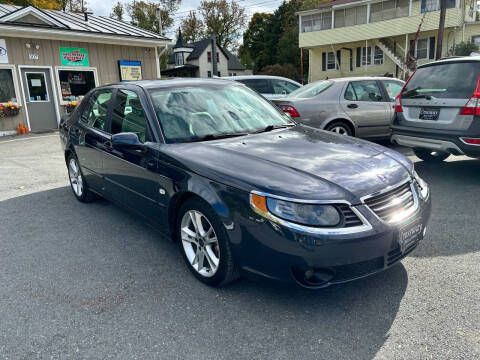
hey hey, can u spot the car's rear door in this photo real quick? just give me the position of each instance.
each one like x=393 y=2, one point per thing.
x=90 y=136
x=364 y=103
x=435 y=95
x=131 y=174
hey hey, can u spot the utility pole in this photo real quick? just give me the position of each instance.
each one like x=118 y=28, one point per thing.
x=301 y=65
x=159 y=18
x=441 y=29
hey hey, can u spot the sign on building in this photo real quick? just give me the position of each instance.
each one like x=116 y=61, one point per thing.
x=73 y=56
x=130 y=70
x=3 y=52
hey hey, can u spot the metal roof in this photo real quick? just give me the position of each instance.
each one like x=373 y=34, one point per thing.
x=76 y=22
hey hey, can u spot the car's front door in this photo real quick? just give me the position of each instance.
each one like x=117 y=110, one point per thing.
x=90 y=137
x=131 y=174
x=365 y=104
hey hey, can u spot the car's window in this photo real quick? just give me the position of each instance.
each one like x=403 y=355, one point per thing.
x=448 y=80
x=366 y=90
x=350 y=93
x=96 y=110
x=261 y=85
x=393 y=88
x=128 y=115
x=282 y=87
x=190 y=113
x=311 y=90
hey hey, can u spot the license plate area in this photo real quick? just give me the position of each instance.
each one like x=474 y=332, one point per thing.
x=427 y=113
x=409 y=235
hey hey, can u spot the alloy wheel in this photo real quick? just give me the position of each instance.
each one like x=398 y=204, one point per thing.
x=339 y=130
x=75 y=177
x=200 y=243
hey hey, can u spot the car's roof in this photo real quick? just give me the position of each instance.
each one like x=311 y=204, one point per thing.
x=363 y=78
x=171 y=82
x=453 y=59
x=245 y=77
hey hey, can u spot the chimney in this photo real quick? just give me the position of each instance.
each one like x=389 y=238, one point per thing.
x=214 y=55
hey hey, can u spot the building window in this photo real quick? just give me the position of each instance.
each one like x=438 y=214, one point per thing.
x=218 y=57
x=476 y=40
x=366 y=56
x=8 y=90
x=389 y=9
x=209 y=74
x=434 y=5
x=209 y=56
x=179 y=59
x=351 y=16
x=219 y=74
x=315 y=22
x=331 y=62
x=378 y=56
x=74 y=83
x=421 y=49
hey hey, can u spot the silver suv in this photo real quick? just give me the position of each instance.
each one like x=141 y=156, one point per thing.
x=438 y=111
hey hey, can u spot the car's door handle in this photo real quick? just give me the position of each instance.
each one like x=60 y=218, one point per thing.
x=150 y=165
x=77 y=131
x=108 y=145
x=352 y=106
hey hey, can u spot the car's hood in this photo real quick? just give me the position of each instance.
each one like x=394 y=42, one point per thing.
x=299 y=162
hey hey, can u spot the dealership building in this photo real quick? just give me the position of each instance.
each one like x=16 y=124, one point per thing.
x=50 y=59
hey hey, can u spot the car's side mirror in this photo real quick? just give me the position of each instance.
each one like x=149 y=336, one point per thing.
x=126 y=140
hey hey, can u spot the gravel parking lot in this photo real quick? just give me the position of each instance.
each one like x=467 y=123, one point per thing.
x=95 y=282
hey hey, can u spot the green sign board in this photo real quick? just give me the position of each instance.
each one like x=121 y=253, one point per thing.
x=73 y=56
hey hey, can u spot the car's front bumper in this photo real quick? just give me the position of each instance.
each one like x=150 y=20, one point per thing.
x=277 y=252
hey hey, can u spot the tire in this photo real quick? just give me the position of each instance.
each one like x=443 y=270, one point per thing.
x=218 y=266
x=77 y=181
x=339 y=128
x=430 y=155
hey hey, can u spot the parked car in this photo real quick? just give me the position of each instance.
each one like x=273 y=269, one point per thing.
x=361 y=106
x=271 y=87
x=438 y=111
x=240 y=186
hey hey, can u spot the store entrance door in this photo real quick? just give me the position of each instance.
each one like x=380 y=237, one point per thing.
x=39 y=98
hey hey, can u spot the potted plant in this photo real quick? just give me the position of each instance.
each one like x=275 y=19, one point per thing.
x=9 y=109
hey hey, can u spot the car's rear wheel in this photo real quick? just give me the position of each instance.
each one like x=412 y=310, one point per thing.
x=204 y=244
x=339 y=128
x=430 y=155
x=77 y=181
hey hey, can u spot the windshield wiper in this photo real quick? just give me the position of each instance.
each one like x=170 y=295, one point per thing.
x=272 y=127
x=218 y=136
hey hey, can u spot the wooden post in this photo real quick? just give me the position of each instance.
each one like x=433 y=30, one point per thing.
x=301 y=65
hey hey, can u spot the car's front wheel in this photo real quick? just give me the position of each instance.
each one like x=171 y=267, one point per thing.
x=77 y=181
x=204 y=244
x=430 y=155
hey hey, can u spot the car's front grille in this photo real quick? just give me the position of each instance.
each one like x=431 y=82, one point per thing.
x=389 y=204
x=351 y=219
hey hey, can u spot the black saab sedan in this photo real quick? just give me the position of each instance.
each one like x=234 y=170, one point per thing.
x=240 y=186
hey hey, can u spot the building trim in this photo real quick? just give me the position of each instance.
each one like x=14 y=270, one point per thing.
x=33 y=11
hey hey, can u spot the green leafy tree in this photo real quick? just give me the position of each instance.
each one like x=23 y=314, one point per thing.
x=255 y=51
x=286 y=70
x=192 y=28
x=117 y=11
x=464 y=49
x=144 y=14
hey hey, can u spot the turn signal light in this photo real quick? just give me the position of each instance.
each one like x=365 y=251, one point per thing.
x=472 y=107
x=290 y=110
x=471 y=141
x=260 y=202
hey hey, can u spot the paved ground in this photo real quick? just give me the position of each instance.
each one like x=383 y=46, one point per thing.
x=93 y=282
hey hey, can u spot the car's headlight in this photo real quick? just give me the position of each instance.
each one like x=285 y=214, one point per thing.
x=423 y=186
x=304 y=214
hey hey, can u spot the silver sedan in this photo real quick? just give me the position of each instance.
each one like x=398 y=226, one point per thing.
x=361 y=106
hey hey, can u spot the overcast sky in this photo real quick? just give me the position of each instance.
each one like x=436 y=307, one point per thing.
x=104 y=7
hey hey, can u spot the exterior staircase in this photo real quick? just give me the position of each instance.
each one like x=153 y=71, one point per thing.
x=387 y=49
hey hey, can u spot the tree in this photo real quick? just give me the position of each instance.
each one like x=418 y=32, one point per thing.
x=255 y=51
x=41 y=4
x=464 y=49
x=287 y=71
x=117 y=11
x=192 y=28
x=224 y=19
x=144 y=13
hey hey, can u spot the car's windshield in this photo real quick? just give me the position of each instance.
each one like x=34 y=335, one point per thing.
x=210 y=111
x=449 y=80
x=311 y=90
